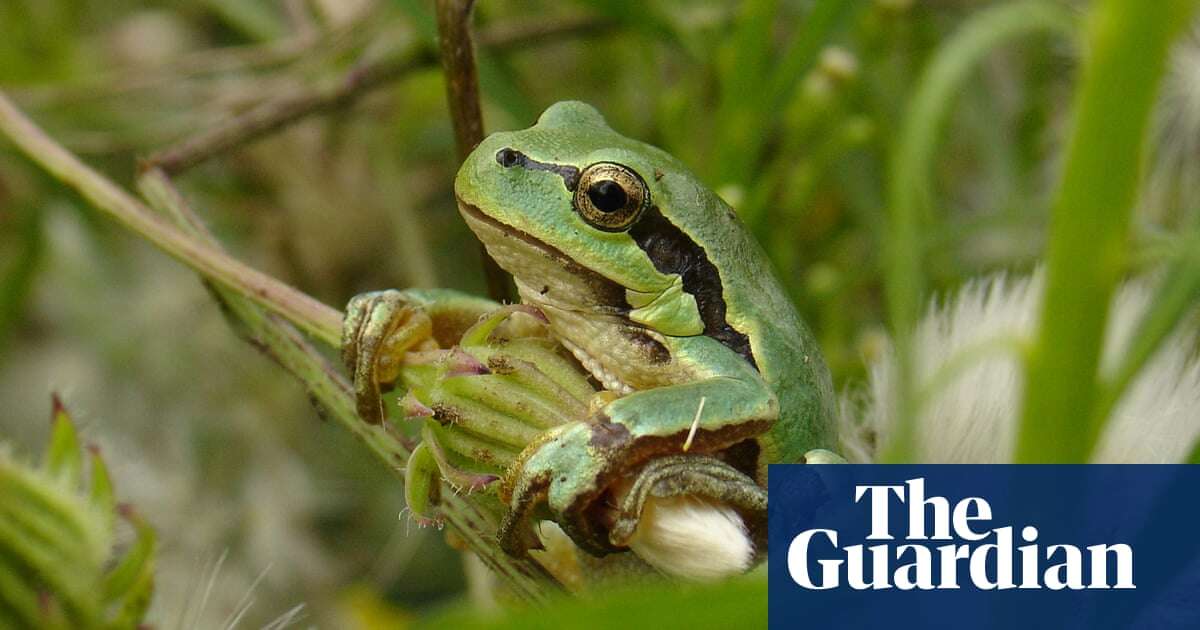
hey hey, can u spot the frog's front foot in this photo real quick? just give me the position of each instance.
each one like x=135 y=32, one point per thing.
x=379 y=328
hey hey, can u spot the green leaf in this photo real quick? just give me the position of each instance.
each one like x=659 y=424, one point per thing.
x=1128 y=44
x=130 y=585
x=420 y=481
x=56 y=538
x=253 y=18
x=911 y=165
x=101 y=495
x=738 y=603
x=48 y=562
x=755 y=86
x=19 y=600
x=62 y=455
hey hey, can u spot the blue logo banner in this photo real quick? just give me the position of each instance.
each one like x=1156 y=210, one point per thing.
x=984 y=546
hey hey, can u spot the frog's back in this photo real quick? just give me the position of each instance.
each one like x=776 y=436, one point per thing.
x=761 y=320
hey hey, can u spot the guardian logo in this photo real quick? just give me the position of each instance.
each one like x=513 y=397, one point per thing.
x=1000 y=546
x=922 y=565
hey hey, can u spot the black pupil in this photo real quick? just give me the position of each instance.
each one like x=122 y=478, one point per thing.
x=607 y=196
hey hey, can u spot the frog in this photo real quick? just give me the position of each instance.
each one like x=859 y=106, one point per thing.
x=707 y=373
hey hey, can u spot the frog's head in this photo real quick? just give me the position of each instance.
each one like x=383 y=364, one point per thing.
x=569 y=208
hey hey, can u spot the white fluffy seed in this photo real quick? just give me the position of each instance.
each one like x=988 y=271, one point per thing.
x=692 y=538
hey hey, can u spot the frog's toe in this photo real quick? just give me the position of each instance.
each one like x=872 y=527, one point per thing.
x=378 y=329
x=534 y=482
x=516 y=534
x=683 y=476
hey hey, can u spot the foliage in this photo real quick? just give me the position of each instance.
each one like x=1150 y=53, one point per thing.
x=883 y=151
x=738 y=603
x=58 y=537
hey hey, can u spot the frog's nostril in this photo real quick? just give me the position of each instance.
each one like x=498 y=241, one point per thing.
x=508 y=158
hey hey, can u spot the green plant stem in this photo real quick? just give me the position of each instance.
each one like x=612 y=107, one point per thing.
x=279 y=111
x=910 y=168
x=1127 y=46
x=317 y=319
x=459 y=68
x=260 y=304
x=745 y=108
x=328 y=388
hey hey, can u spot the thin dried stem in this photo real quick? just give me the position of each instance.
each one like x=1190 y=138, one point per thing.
x=466 y=112
x=462 y=78
x=275 y=114
x=279 y=112
x=280 y=341
x=316 y=318
x=260 y=304
x=256 y=303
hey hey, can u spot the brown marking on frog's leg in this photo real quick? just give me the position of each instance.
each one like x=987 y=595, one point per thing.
x=653 y=350
x=613 y=455
x=608 y=437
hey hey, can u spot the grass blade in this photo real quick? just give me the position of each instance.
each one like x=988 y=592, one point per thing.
x=1127 y=42
x=910 y=168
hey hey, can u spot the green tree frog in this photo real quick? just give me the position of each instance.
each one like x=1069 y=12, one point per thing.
x=650 y=281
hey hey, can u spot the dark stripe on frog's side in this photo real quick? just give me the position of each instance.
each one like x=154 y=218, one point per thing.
x=609 y=295
x=673 y=251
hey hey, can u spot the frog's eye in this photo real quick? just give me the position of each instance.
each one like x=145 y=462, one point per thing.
x=610 y=197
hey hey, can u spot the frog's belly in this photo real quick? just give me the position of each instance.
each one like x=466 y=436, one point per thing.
x=622 y=356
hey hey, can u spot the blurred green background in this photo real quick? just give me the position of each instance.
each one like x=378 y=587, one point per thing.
x=790 y=109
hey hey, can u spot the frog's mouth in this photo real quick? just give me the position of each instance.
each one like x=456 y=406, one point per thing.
x=552 y=275
x=585 y=308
